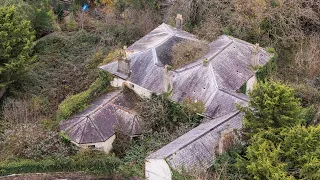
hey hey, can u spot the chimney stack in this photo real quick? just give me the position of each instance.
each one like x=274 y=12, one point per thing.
x=123 y=62
x=179 y=21
x=205 y=62
x=254 y=55
x=168 y=79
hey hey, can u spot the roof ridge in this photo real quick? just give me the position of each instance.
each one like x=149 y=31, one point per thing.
x=229 y=116
x=216 y=54
x=83 y=131
x=97 y=129
x=103 y=104
x=233 y=94
x=84 y=117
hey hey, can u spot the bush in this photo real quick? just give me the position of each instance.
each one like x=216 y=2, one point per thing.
x=91 y=162
x=225 y=166
x=308 y=94
x=33 y=143
x=160 y=113
x=79 y=102
x=269 y=69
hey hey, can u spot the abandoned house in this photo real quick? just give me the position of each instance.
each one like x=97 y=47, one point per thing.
x=213 y=79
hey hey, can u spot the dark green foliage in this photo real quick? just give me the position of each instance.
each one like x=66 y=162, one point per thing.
x=301 y=152
x=272 y=105
x=226 y=166
x=43 y=22
x=243 y=88
x=309 y=113
x=62 y=67
x=92 y=162
x=16 y=42
x=160 y=112
x=38 y=13
x=265 y=72
x=79 y=102
x=293 y=154
x=263 y=159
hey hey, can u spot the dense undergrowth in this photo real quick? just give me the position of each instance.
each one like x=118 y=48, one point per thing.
x=63 y=79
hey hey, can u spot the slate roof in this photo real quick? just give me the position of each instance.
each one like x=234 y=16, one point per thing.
x=228 y=69
x=195 y=150
x=97 y=122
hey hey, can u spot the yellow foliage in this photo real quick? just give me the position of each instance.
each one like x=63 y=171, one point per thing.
x=107 y=2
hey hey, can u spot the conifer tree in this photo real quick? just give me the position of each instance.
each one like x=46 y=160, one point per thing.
x=16 y=41
x=272 y=105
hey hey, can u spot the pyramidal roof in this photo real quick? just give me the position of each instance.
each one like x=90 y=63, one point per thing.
x=215 y=85
x=98 y=122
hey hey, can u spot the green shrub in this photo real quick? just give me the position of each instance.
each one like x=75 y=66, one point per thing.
x=226 y=165
x=309 y=113
x=91 y=162
x=78 y=102
x=160 y=112
x=265 y=72
x=43 y=22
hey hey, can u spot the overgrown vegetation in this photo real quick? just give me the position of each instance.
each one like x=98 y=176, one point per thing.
x=187 y=51
x=49 y=54
x=88 y=161
x=15 y=46
x=79 y=102
x=276 y=142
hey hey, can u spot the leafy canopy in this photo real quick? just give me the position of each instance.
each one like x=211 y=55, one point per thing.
x=16 y=42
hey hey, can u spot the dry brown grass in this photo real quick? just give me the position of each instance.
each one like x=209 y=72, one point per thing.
x=188 y=51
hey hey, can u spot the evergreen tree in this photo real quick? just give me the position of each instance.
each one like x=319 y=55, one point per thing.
x=293 y=153
x=272 y=105
x=16 y=41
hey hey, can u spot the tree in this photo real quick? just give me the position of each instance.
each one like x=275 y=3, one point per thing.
x=263 y=159
x=301 y=151
x=293 y=153
x=16 y=42
x=272 y=105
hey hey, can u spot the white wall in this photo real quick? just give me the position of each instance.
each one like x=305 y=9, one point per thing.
x=139 y=90
x=118 y=82
x=250 y=83
x=105 y=146
x=157 y=169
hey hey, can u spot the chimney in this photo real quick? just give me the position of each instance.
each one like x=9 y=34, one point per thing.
x=206 y=62
x=254 y=55
x=123 y=62
x=179 y=21
x=168 y=79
